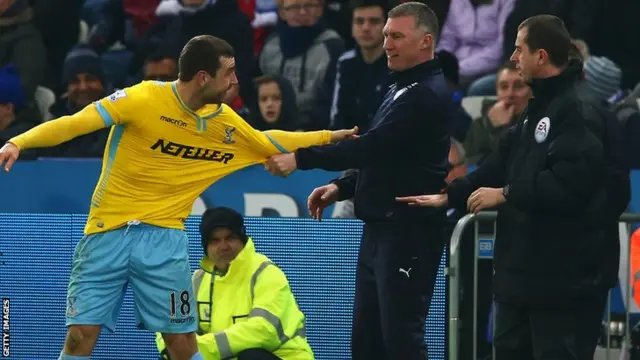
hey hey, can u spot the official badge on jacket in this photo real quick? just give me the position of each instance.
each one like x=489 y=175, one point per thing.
x=542 y=130
x=228 y=137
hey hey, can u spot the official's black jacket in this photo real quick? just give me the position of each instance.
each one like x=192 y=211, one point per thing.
x=553 y=240
x=404 y=153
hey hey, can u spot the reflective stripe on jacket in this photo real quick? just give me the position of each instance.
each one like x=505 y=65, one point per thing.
x=251 y=306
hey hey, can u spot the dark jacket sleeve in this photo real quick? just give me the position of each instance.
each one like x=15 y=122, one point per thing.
x=392 y=142
x=574 y=169
x=492 y=172
x=347 y=184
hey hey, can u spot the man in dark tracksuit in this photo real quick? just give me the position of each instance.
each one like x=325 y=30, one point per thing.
x=405 y=151
x=560 y=191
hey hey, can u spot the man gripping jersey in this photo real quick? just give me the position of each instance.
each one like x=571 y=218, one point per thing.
x=168 y=143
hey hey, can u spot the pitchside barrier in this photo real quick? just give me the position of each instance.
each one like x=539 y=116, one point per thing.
x=319 y=259
x=620 y=338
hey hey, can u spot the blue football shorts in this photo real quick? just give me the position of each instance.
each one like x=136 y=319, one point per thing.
x=153 y=260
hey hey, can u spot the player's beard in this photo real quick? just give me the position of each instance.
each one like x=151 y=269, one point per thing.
x=214 y=97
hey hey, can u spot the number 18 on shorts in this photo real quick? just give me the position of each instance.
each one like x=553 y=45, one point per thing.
x=153 y=261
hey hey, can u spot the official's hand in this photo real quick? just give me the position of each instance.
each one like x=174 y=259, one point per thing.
x=9 y=153
x=338 y=135
x=321 y=198
x=282 y=165
x=485 y=198
x=436 y=200
x=501 y=114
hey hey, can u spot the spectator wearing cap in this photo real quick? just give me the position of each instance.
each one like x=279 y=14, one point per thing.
x=21 y=45
x=256 y=316
x=83 y=78
x=602 y=77
x=84 y=82
x=16 y=116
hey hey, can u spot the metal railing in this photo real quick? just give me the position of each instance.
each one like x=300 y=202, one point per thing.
x=453 y=275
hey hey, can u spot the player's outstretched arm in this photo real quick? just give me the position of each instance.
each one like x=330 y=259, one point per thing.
x=60 y=130
x=288 y=141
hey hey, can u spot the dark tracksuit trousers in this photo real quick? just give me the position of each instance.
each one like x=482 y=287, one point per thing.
x=549 y=333
x=397 y=267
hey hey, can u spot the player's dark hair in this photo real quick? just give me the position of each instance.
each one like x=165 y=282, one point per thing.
x=202 y=53
x=548 y=33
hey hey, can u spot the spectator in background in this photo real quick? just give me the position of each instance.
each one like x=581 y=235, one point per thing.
x=275 y=107
x=124 y=21
x=21 y=44
x=497 y=115
x=602 y=78
x=59 y=36
x=85 y=83
x=362 y=76
x=304 y=51
x=16 y=116
x=160 y=65
x=263 y=20
x=582 y=18
x=473 y=32
x=184 y=19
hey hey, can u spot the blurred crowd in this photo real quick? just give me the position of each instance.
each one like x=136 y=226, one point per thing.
x=301 y=64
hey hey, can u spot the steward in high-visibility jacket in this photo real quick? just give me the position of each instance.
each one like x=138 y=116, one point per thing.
x=245 y=307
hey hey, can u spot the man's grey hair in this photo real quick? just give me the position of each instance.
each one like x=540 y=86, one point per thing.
x=425 y=17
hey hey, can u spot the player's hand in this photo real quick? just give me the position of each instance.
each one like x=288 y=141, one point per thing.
x=436 y=200
x=321 y=198
x=8 y=153
x=339 y=135
x=485 y=198
x=282 y=165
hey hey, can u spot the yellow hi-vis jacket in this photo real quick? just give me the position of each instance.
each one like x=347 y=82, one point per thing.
x=251 y=306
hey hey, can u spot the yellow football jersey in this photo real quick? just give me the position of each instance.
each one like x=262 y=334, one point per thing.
x=161 y=155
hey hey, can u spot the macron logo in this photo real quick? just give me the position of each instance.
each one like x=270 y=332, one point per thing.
x=178 y=123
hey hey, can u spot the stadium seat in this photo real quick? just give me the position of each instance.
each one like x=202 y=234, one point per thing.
x=44 y=98
x=83 y=35
x=473 y=105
